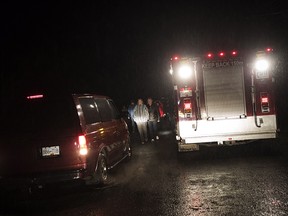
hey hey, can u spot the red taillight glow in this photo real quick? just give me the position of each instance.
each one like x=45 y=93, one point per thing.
x=187 y=108
x=187 y=105
x=234 y=53
x=83 y=150
x=264 y=100
x=34 y=96
x=265 y=108
x=176 y=58
x=269 y=49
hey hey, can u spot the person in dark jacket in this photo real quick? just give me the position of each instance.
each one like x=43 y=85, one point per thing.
x=154 y=118
x=131 y=115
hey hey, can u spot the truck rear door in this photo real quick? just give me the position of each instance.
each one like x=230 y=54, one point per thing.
x=224 y=89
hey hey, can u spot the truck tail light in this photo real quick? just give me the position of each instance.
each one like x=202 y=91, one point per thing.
x=264 y=102
x=187 y=108
x=83 y=149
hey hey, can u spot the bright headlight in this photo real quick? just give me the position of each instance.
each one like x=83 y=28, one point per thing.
x=261 y=65
x=185 y=71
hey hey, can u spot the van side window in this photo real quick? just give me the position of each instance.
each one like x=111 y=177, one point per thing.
x=90 y=111
x=104 y=109
x=115 y=111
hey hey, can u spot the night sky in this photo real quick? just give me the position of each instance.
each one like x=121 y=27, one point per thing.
x=122 y=48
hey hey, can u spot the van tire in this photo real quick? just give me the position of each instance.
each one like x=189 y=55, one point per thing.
x=101 y=175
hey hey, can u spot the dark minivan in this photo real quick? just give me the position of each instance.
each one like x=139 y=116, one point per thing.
x=52 y=138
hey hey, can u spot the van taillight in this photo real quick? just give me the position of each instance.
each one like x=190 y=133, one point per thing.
x=83 y=150
x=264 y=102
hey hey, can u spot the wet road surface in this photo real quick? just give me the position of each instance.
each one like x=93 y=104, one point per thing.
x=240 y=180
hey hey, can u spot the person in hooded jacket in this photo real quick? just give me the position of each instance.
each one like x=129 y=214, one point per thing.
x=141 y=117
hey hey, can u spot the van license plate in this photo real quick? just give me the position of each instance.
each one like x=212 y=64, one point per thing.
x=50 y=151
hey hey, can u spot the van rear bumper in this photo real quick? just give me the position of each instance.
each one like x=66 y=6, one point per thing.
x=40 y=179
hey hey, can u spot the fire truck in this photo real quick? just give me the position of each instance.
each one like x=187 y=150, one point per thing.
x=224 y=98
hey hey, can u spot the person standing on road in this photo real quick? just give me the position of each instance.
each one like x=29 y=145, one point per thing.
x=141 y=117
x=154 y=118
x=131 y=115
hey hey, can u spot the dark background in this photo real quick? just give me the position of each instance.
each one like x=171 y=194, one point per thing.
x=122 y=48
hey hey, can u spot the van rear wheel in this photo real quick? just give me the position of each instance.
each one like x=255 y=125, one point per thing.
x=128 y=152
x=101 y=175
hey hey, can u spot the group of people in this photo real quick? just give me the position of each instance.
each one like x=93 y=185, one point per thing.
x=145 y=117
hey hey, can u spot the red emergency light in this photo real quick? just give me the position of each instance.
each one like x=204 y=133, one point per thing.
x=209 y=55
x=221 y=54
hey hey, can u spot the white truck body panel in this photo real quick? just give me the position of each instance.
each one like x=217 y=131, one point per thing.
x=228 y=129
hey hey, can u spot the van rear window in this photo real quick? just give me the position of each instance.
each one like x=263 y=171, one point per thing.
x=114 y=110
x=89 y=110
x=104 y=109
x=42 y=115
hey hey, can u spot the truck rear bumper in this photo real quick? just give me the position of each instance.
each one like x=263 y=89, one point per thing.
x=232 y=131
x=220 y=139
x=193 y=144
